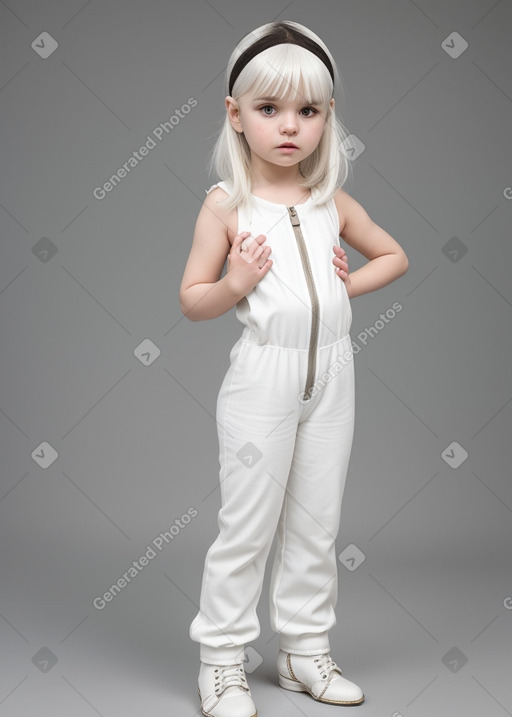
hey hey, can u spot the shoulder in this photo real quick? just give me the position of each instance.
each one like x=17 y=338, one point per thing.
x=351 y=213
x=214 y=196
x=228 y=218
x=345 y=205
x=340 y=200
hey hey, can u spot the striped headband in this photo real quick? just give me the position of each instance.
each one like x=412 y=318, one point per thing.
x=281 y=35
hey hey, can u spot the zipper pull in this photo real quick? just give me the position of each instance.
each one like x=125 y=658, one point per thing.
x=293 y=216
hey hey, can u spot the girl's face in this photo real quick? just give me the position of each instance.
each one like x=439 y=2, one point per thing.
x=268 y=122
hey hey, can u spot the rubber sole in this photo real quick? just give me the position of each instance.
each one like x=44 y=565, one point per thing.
x=296 y=686
x=209 y=714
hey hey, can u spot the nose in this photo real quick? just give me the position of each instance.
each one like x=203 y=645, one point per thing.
x=289 y=123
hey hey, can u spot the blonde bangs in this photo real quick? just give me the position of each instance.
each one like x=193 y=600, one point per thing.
x=286 y=71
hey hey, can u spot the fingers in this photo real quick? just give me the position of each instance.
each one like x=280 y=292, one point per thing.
x=266 y=266
x=244 y=240
x=249 y=239
x=340 y=261
x=251 y=248
x=261 y=255
x=239 y=239
x=244 y=246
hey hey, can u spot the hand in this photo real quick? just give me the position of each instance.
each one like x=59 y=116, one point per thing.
x=340 y=262
x=248 y=262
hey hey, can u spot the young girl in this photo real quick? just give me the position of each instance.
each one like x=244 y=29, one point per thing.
x=285 y=410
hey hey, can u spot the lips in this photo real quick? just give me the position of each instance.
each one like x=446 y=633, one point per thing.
x=288 y=144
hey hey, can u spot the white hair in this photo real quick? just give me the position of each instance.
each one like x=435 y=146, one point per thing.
x=284 y=70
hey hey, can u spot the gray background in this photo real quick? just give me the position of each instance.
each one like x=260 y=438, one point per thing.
x=136 y=438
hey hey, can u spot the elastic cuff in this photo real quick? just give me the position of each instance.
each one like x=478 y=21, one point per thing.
x=307 y=644
x=222 y=655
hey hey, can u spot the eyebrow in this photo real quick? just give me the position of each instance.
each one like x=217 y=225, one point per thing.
x=276 y=99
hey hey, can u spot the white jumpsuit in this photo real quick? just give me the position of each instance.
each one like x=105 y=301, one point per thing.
x=285 y=420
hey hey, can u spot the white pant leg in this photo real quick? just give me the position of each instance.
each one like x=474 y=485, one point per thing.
x=257 y=415
x=303 y=588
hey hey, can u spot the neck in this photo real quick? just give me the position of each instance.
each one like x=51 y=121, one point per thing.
x=264 y=174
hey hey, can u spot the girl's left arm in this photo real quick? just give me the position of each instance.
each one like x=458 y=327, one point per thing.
x=386 y=259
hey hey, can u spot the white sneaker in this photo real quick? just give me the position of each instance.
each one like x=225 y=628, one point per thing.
x=224 y=692
x=320 y=676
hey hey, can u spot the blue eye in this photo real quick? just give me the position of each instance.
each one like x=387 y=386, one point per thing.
x=265 y=107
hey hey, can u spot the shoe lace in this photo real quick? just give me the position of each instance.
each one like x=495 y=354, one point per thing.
x=327 y=667
x=230 y=676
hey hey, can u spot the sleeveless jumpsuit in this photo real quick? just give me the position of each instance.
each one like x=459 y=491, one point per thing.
x=285 y=421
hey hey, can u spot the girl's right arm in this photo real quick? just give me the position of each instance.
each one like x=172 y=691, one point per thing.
x=203 y=294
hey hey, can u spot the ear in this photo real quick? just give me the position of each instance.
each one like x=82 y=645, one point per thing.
x=331 y=103
x=233 y=111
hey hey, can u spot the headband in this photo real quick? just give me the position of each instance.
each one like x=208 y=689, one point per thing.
x=278 y=36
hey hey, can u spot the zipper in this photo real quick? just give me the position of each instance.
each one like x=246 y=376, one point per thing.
x=315 y=310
